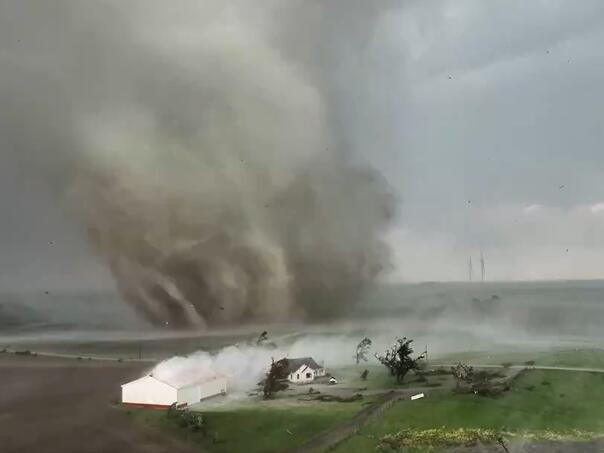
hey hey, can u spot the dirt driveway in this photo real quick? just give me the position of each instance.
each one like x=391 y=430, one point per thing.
x=62 y=406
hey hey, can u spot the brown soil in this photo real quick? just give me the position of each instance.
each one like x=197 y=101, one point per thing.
x=62 y=406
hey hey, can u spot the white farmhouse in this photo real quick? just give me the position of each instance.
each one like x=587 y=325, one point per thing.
x=303 y=370
x=149 y=391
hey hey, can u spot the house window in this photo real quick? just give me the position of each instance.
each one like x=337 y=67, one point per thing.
x=308 y=375
x=297 y=376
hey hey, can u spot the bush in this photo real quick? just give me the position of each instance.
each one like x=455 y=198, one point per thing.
x=507 y=364
x=530 y=363
x=439 y=438
x=192 y=421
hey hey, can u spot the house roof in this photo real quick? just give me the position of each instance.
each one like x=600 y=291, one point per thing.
x=295 y=364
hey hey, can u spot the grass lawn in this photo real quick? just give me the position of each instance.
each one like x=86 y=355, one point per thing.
x=260 y=429
x=380 y=378
x=538 y=401
x=580 y=358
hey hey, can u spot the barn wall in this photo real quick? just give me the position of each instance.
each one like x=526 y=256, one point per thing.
x=212 y=388
x=189 y=395
x=149 y=392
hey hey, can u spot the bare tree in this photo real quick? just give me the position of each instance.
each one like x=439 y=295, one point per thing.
x=362 y=350
x=398 y=359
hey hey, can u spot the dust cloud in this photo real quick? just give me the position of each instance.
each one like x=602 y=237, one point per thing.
x=205 y=151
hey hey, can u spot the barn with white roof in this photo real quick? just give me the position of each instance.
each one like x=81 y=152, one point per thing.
x=149 y=391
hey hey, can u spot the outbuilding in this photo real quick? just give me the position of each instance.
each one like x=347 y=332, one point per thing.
x=149 y=391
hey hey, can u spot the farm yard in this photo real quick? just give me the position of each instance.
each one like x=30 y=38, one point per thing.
x=542 y=408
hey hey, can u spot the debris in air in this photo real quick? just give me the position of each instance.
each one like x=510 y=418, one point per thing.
x=417 y=397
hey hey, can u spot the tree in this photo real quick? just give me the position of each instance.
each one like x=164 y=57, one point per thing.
x=275 y=378
x=362 y=350
x=264 y=342
x=398 y=359
x=462 y=373
x=364 y=375
x=262 y=338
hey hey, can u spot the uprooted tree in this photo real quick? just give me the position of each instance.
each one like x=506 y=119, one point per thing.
x=398 y=359
x=262 y=338
x=480 y=382
x=362 y=350
x=264 y=342
x=276 y=378
x=462 y=373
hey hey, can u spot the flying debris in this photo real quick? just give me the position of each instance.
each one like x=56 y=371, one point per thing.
x=562 y=186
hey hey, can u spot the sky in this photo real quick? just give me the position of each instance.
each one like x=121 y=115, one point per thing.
x=491 y=131
x=485 y=118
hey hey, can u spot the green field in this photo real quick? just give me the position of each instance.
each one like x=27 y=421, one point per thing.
x=553 y=401
x=379 y=378
x=576 y=358
x=262 y=429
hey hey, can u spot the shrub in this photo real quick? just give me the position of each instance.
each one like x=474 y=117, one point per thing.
x=438 y=438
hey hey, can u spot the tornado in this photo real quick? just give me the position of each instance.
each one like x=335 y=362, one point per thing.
x=205 y=153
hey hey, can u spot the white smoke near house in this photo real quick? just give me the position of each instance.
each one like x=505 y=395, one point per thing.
x=246 y=365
